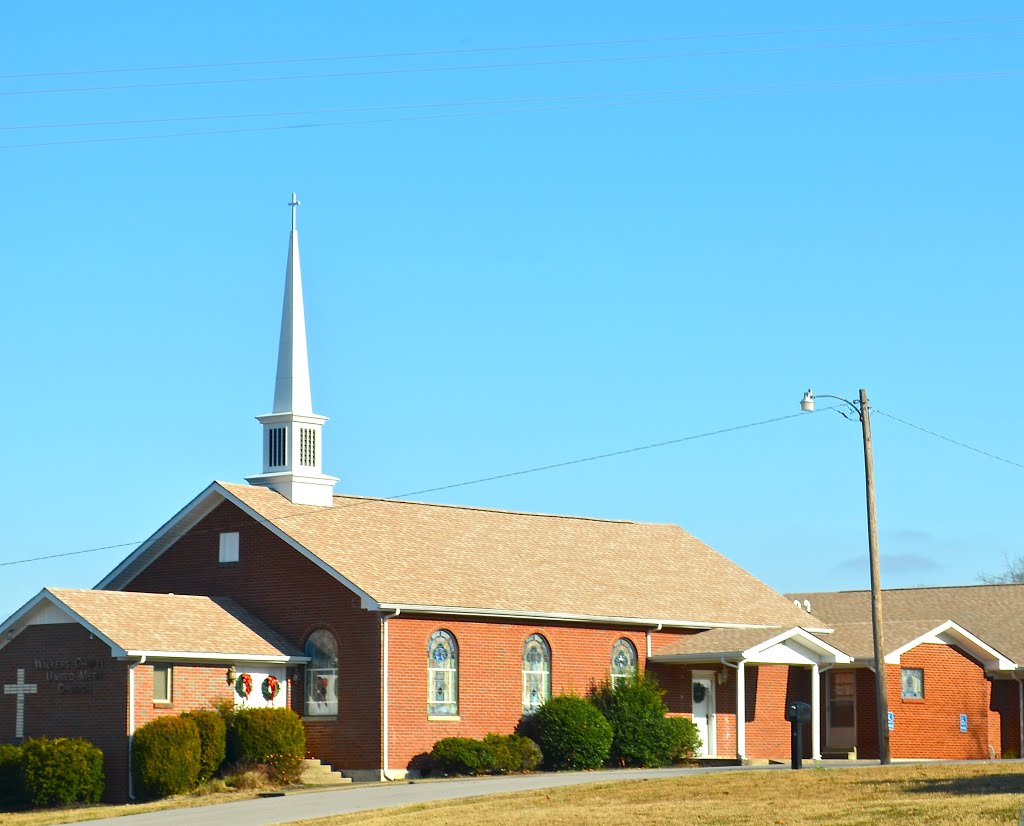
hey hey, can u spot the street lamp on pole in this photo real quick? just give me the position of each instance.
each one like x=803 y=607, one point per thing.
x=862 y=410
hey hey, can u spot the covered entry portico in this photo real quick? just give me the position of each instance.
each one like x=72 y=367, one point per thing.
x=757 y=672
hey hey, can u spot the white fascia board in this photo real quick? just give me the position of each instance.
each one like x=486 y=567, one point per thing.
x=195 y=510
x=956 y=635
x=706 y=657
x=186 y=518
x=498 y=613
x=807 y=640
x=214 y=656
x=25 y=613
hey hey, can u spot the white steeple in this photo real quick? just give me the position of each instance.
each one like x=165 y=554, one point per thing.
x=292 y=443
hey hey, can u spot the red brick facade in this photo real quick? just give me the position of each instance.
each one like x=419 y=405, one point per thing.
x=295 y=597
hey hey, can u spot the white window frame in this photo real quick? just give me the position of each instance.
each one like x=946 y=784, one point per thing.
x=443 y=674
x=228 y=547
x=169 y=695
x=617 y=674
x=904 y=673
x=532 y=669
x=321 y=698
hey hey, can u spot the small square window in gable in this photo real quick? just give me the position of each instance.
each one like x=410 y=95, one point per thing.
x=229 y=547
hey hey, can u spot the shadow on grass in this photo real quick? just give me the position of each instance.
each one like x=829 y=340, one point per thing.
x=979 y=784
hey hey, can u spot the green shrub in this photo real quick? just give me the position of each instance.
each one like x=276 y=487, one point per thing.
x=60 y=772
x=270 y=737
x=212 y=741
x=635 y=708
x=11 y=787
x=463 y=755
x=513 y=753
x=166 y=757
x=686 y=740
x=571 y=733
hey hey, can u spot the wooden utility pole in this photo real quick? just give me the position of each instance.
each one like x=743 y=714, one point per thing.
x=881 y=696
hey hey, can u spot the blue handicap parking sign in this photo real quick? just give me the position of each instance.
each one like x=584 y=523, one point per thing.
x=963 y=722
x=892 y=720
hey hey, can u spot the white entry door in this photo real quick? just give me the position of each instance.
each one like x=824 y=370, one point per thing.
x=703 y=695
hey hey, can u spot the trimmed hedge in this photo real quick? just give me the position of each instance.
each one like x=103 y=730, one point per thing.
x=60 y=772
x=212 y=741
x=270 y=737
x=11 y=788
x=571 y=733
x=166 y=757
x=464 y=755
x=495 y=754
x=513 y=753
x=685 y=739
x=641 y=734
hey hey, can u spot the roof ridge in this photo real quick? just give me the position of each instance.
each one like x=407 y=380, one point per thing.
x=507 y=511
x=910 y=588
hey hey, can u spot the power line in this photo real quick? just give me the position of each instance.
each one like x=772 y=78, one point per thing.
x=493 y=66
x=950 y=440
x=549 y=104
x=519 y=47
x=538 y=469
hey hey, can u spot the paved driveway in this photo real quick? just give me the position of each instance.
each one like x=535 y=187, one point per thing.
x=359 y=798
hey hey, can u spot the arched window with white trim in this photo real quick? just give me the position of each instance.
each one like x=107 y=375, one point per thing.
x=442 y=675
x=322 y=674
x=623 y=661
x=536 y=673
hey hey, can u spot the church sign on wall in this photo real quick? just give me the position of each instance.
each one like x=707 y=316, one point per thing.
x=71 y=675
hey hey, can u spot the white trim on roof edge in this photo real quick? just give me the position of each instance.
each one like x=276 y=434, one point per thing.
x=215 y=656
x=201 y=505
x=961 y=638
x=499 y=613
x=803 y=635
x=53 y=599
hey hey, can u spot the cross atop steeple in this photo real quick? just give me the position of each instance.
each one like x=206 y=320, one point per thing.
x=294 y=202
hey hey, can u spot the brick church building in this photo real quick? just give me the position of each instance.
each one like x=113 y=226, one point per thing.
x=388 y=625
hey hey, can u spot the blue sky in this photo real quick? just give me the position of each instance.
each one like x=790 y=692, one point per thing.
x=529 y=235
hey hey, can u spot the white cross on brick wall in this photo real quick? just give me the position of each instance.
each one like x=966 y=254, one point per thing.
x=20 y=689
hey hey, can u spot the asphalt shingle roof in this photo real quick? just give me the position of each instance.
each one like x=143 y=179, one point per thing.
x=989 y=612
x=175 y=623
x=410 y=553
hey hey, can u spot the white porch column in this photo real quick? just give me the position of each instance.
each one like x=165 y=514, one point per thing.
x=741 y=712
x=815 y=712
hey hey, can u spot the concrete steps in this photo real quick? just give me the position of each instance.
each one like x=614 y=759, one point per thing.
x=317 y=773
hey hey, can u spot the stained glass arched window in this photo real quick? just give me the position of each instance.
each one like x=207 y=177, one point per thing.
x=536 y=673
x=442 y=675
x=623 y=660
x=321 y=674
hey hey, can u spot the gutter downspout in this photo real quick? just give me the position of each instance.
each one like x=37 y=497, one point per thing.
x=131 y=721
x=1020 y=715
x=648 y=633
x=385 y=771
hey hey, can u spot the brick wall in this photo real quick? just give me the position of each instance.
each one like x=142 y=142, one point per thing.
x=490 y=675
x=82 y=692
x=954 y=684
x=1004 y=718
x=193 y=686
x=295 y=597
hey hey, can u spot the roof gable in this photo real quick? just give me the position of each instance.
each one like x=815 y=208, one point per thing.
x=472 y=561
x=167 y=626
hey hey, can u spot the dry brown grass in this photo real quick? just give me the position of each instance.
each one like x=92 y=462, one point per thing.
x=76 y=814
x=957 y=795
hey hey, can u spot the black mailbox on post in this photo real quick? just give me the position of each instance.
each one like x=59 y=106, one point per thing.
x=797 y=713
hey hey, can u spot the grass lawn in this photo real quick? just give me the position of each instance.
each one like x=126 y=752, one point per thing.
x=76 y=814
x=934 y=794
